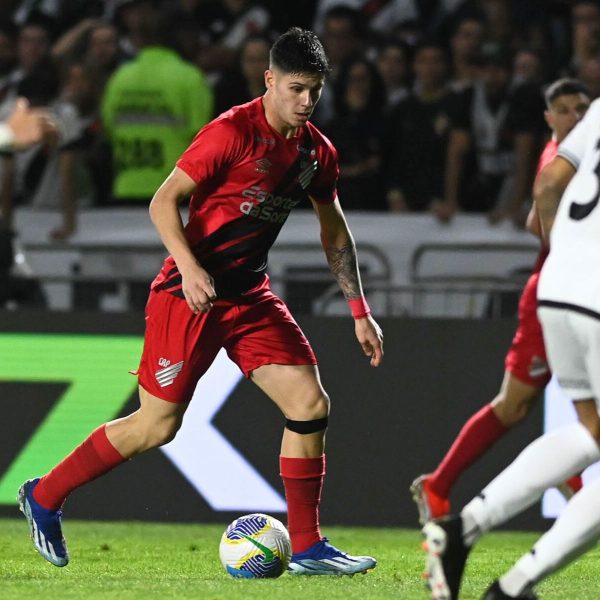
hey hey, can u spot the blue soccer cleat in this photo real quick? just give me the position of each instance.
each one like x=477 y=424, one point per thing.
x=44 y=525
x=324 y=559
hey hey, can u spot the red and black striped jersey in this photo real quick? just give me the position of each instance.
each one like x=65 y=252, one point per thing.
x=249 y=177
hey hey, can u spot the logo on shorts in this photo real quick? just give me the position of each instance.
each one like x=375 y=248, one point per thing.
x=538 y=367
x=167 y=375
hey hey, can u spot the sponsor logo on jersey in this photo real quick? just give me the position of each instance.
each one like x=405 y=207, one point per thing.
x=265 y=205
x=167 y=375
x=263 y=165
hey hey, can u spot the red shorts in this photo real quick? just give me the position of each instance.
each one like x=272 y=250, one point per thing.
x=180 y=346
x=526 y=358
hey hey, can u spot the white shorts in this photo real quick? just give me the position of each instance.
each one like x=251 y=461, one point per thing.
x=573 y=346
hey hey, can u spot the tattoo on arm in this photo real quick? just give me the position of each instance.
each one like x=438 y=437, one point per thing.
x=344 y=266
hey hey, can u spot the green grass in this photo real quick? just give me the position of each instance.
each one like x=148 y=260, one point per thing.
x=128 y=561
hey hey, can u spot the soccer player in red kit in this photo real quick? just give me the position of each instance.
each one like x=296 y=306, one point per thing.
x=245 y=171
x=526 y=370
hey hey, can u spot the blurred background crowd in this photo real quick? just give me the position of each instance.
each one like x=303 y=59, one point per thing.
x=434 y=105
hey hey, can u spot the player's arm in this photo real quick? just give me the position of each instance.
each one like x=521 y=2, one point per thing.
x=533 y=222
x=197 y=284
x=340 y=251
x=548 y=190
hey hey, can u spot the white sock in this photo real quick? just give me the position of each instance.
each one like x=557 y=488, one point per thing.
x=547 y=461
x=575 y=531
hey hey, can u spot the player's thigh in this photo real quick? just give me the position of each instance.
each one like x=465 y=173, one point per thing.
x=526 y=358
x=179 y=346
x=156 y=412
x=295 y=389
x=566 y=353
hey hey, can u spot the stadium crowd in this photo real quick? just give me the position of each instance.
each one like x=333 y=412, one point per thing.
x=433 y=105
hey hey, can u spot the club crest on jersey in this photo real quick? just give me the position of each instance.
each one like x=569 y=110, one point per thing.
x=307 y=173
x=263 y=165
x=167 y=375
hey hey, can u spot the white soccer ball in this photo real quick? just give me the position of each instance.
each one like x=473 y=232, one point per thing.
x=255 y=546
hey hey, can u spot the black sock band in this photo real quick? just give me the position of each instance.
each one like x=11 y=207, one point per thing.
x=306 y=427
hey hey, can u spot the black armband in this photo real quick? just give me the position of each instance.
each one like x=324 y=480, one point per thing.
x=306 y=427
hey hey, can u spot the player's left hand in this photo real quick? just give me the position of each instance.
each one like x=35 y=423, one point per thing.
x=370 y=337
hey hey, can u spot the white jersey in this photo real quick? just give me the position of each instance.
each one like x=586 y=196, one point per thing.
x=571 y=273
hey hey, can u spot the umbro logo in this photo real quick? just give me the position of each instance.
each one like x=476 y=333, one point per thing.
x=263 y=165
x=167 y=375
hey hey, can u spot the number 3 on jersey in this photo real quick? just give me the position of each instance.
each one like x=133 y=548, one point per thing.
x=577 y=212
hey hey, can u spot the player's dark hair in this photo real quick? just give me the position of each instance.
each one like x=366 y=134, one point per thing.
x=299 y=51
x=565 y=87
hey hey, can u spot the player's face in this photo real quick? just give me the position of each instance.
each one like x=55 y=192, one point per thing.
x=293 y=97
x=565 y=112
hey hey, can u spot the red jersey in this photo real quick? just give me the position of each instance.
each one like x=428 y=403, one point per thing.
x=548 y=154
x=249 y=177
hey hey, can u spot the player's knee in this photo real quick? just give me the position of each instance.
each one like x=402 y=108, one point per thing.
x=593 y=426
x=313 y=417
x=311 y=406
x=511 y=411
x=158 y=433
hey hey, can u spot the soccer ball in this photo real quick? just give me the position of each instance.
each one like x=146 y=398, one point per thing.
x=255 y=546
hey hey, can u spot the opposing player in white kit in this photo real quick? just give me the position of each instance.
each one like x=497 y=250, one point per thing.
x=567 y=193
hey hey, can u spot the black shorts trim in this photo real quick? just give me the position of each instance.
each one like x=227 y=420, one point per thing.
x=572 y=307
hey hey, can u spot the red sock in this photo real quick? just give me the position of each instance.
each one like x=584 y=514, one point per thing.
x=92 y=458
x=478 y=434
x=303 y=481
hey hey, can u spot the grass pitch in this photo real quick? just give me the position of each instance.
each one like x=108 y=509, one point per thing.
x=131 y=561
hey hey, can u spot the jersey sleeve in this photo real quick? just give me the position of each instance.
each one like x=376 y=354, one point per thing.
x=214 y=148
x=574 y=145
x=323 y=189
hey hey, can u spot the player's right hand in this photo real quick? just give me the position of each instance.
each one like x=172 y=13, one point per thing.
x=198 y=288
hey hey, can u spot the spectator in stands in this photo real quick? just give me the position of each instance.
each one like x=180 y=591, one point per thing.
x=33 y=49
x=43 y=176
x=8 y=56
x=225 y=25
x=357 y=131
x=102 y=48
x=247 y=80
x=343 y=38
x=96 y=41
x=393 y=64
x=502 y=125
x=589 y=73
x=152 y=107
x=585 y=32
x=527 y=68
x=465 y=46
x=416 y=135
x=130 y=18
